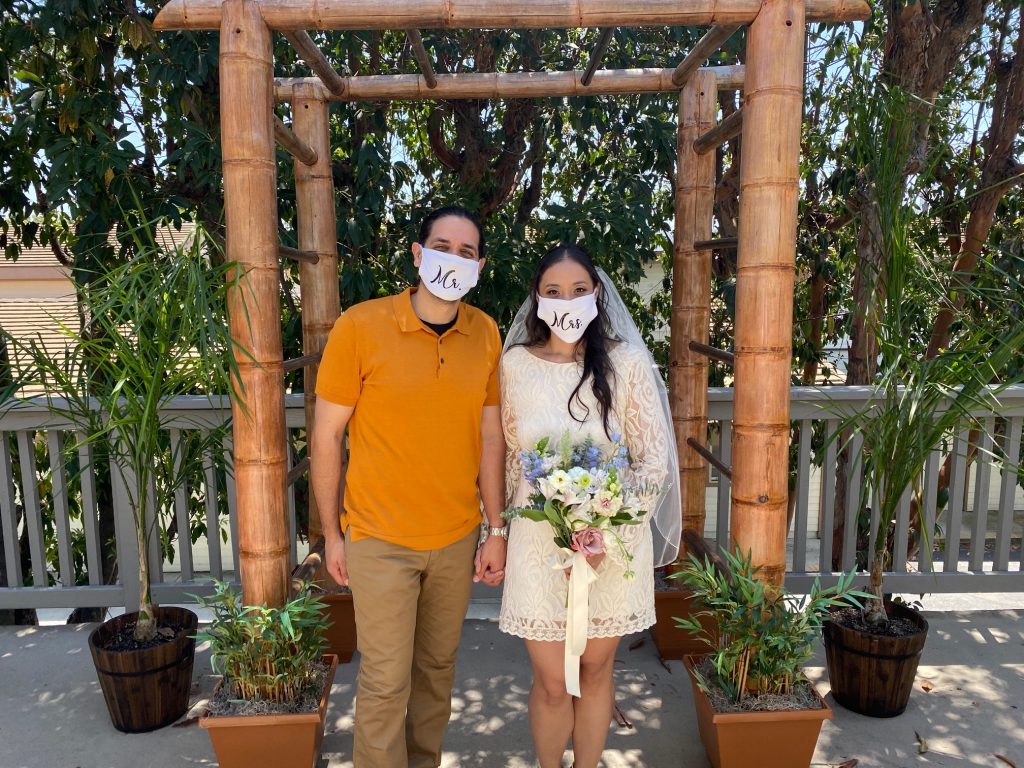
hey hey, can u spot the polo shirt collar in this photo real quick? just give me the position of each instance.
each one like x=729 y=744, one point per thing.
x=410 y=322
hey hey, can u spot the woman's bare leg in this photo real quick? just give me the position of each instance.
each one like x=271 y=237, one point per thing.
x=551 y=707
x=593 y=711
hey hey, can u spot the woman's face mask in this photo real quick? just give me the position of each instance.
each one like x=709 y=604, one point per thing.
x=446 y=276
x=568 y=318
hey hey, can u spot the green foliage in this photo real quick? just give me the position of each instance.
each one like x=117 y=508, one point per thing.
x=154 y=331
x=762 y=636
x=265 y=654
x=918 y=401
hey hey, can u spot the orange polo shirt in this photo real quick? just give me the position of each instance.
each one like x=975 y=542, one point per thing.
x=414 y=436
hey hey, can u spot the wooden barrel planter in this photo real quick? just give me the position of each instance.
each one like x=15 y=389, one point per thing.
x=873 y=675
x=148 y=688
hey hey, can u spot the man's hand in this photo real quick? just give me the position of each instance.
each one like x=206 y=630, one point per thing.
x=489 y=564
x=334 y=561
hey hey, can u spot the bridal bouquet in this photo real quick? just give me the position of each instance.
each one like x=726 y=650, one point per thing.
x=580 y=493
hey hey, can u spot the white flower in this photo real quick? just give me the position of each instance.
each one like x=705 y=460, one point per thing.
x=582 y=478
x=554 y=485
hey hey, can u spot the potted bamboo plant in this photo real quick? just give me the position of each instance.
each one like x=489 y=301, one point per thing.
x=270 y=706
x=152 y=331
x=918 y=402
x=754 y=705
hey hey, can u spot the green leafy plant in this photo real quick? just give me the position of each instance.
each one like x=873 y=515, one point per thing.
x=265 y=654
x=762 y=636
x=153 y=330
x=919 y=400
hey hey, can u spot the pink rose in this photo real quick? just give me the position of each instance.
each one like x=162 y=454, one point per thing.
x=589 y=541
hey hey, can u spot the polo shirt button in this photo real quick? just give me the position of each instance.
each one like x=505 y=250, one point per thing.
x=442 y=361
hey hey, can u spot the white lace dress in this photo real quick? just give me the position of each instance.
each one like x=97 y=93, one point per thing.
x=534 y=404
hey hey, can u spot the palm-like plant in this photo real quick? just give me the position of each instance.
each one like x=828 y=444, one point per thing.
x=154 y=330
x=918 y=401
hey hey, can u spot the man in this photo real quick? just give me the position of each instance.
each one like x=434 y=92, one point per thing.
x=414 y=378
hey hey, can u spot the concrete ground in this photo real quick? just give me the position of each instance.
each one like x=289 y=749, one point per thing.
x=52 y=713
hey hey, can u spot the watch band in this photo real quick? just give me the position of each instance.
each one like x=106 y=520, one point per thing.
x=487 y=531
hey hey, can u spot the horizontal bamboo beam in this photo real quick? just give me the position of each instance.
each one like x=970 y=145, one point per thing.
x=721 y=355
x=300 y=362
x=595 y=58
x=716 y=244
x=710 y=458
x=298 y=471
x=298 y=149
x=419 y=52
x=310 y=53
x=294 y=253
x=489 y=14
x=706 y=46
x=511 y=85
x=721 y=133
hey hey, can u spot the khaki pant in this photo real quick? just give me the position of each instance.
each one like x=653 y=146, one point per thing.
x=409 y=608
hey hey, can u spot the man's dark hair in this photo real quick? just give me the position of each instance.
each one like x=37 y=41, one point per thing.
x=453 y=210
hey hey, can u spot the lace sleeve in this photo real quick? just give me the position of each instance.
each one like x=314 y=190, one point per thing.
x=508 y=426
x=645 y=434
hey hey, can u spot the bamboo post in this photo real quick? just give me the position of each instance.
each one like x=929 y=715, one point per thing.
x=769 y=175
x=317 y=230
x=691 y=291
x=510 y=85
x=250 y=201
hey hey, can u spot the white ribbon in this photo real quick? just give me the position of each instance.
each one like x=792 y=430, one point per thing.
x=577 y=615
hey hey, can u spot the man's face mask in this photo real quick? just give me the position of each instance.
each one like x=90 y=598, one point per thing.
x=568 y=318
x=446 y=276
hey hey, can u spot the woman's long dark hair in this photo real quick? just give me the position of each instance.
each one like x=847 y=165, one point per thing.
x=596 y=340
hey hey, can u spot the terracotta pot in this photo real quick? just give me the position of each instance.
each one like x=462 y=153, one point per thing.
x=148 y=688
x=282 y=741
x=762 y=739
x=672 y=642
x=871 y=674
x=341 y=635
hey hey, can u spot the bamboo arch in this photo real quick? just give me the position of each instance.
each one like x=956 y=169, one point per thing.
x=772 y=83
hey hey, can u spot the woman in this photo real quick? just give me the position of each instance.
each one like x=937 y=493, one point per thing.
x=574 y=362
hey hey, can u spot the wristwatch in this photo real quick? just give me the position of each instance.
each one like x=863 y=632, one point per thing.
x=492 y=530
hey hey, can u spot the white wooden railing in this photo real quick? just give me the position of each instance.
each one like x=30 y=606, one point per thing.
x=976 y=548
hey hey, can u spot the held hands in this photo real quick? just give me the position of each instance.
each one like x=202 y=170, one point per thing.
x=489 y=563
x=334 y=561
